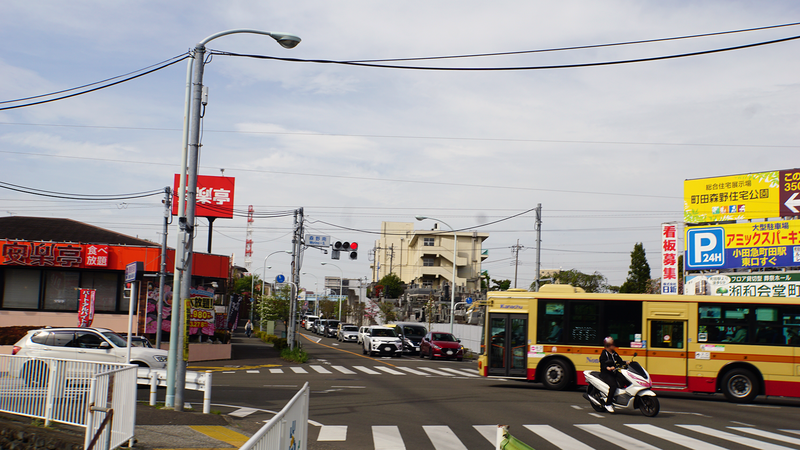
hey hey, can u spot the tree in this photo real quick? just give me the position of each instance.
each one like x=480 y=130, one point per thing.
x=638 y=280
x=393 y=286
x=500 y=285
x=275 y=307
x=595 y=282
x=386 y=311
x=244 y=284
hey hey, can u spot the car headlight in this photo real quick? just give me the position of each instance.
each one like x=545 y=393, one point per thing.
x=160 y=358
x=436 y=347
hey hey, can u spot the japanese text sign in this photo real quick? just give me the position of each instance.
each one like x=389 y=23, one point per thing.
x=669 y=259
x=42 y=254
x=745 y=285
x=761 y=195
x=754 y=245
x=318 y=240
x=96 y=255
x=86 y=307
x=214 y=196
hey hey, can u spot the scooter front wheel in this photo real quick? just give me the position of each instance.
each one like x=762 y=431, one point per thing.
x=649 y=406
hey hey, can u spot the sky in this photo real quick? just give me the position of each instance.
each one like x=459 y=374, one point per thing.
x=604 y=149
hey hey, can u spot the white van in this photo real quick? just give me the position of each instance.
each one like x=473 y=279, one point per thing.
x=310 y=322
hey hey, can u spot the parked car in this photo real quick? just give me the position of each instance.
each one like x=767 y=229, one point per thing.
x=348 y=333
x=441 y=345
x=330 y=328
x=309 y=325
x=362 y=331
x=411 y=334
x=319 y=326
x=137 y=341
x=382 y=340
x=87 y=344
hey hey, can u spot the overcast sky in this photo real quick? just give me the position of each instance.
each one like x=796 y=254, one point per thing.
x=605 y=150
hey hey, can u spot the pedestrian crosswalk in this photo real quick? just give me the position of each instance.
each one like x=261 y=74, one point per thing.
x=576 y=437
x=328 y=369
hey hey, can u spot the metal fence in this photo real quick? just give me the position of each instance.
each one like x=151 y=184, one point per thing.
x=111 y=416
x=288 y=429
x=196 y=381
x=59 y=390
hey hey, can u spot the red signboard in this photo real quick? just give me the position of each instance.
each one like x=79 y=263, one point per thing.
x=86 y=307
x=789 y=185
x=42 y=254
x=96 y=255
x=214 y=196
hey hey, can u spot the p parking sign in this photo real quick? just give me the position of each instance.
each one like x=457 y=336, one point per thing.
x=705 y=248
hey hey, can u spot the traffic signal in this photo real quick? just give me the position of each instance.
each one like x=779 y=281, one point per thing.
x=349 y=247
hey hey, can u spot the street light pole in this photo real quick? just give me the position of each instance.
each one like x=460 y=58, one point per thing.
x=270 y=267
x=176 y=373
x=455 y=256
x=340 y=286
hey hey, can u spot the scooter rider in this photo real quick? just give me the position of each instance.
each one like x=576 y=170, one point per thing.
x=609 y=359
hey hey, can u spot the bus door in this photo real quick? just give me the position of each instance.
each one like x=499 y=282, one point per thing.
x=508 y=354
x=666 y=353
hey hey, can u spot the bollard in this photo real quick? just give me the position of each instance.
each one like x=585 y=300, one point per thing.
x=207 y=393
x=153 y=387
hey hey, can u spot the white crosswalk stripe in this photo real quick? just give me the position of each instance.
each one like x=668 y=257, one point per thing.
x=344 y=370
x=749 y=442
x=320 y=369
x=388 y=370
x=332 y=433
x=437 y=372
x=768 y=435
x=443 y=438
x=387 y=438
x=487 y=431
x=366 y=370
x=299 y=370
x=673 y=437
x=242 y=412
x=558 y=438
x=460 y=373
x=791 y=431
x=275 y=370
x=414 y=371
x=615 y=437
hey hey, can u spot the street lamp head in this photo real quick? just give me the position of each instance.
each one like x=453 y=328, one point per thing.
x=421 y=217
x=269 y=267
x=286 y=40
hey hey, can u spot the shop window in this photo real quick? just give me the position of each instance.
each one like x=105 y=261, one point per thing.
x=106 y=286
x=61 y=290
x=21 y=288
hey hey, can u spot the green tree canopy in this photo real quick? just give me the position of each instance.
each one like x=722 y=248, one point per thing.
x=595 y=282
x=275 y=307
x=387 y=312
x=638 y=281
x=500 y=285
x=393 y=286
x=244 y=284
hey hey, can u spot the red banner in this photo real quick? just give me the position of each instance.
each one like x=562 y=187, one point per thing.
x=214 y=196
x=86 y=307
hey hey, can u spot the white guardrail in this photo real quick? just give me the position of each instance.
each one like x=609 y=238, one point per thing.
x=80 y=393
x=195 y=381
x=288 y=429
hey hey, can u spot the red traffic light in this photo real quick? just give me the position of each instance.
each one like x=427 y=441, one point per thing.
x=354 y=246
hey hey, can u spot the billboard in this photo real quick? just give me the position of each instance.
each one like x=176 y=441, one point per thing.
x=760 y=195
x=745 y=285
x=669 y=258
x=754 y=245
x=214 y=196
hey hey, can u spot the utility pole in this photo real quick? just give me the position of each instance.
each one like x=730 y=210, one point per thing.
x=163 y=272
x=297 y=248
x=538 y=245
x=515 y=250
x=391 y=259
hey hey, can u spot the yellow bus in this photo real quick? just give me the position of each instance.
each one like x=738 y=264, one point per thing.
x=740 y=346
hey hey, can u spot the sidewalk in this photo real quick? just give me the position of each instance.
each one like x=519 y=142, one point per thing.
x=161 y=429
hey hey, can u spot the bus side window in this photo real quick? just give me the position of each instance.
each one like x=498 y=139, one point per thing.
x=551 y=322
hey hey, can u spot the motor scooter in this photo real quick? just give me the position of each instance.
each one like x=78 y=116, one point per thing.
x=636 y=394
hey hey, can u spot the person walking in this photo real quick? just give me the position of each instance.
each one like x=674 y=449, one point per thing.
x=248 y=328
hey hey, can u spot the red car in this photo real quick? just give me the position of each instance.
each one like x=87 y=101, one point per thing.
x=441 y=345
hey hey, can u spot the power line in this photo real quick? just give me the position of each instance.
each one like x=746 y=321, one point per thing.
x=64 y=195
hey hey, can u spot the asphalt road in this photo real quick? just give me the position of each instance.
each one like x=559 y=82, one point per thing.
x=358 y=402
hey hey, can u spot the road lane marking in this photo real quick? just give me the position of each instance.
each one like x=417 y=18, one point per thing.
x=768 y=435
x=557 y=438
x=320 y=369
x=791 y=431
x=599 y=416
x=221 y=433
x=577 y=407
x=741 y=440
x=346 y=351
x=415 y=372
x=344 y=370
x=443 y=438
x=489 y=432
x=675 y=438
x=615 y=437
x=257 y=371
x=437 y=372
x=330 y=433
x=350 y=387
x=242 y=412
x=299 y=370
x=275 y=370
x=232 y=371
x=459 y=372
x=366 y=371
x=388 y=370
x=387 y=438
x=760 y=406
x=281 y=385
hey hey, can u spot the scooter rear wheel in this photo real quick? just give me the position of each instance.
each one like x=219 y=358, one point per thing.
x=649 y=406
x=592 y=392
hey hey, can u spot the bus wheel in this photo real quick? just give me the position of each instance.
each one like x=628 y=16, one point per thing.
x=739 y=386
x=556 y=376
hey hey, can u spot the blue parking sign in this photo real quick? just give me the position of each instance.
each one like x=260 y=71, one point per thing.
x=705 y=248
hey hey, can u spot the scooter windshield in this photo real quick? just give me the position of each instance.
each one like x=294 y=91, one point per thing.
x=636 y=368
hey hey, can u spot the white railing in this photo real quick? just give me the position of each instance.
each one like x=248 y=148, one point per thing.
x=113 y=401
x=64 y=391
x=195 y=381
x=288 y=429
